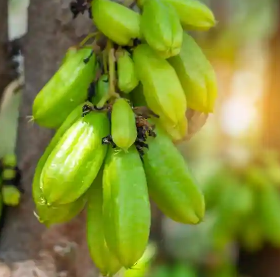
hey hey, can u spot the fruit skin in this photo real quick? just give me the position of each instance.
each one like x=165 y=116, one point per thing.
x=102 y=91
x=9 y=160
x=8 y=174
x=11 y=195
x=65 y=90
x=161 y=28
x=197 y=76
x=75 y=161
x=69 y=53
x=170 y=183
x=69 y=121
x=123 y=125
x=117 y=22
x=127 y=78
x=193 y=14
x=177 y=133
x=104 y=260
x=137 y=96
x=49 y=215
x=161 y=87
x=269 y=207
x=143 y=265
x=126 y=206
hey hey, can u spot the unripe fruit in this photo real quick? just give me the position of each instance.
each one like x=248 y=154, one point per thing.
x=126 y=206
x=123 y=128
x=65 y=90
x=75 y=161
x=161 y=28
x=127 y=78
x=115 y=21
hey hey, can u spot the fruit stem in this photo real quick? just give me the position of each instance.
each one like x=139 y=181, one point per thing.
x=104 y=58
x=112 y=72
x=88 y=37
x=128 y=3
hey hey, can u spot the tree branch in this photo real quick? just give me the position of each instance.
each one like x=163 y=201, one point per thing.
x=5 y=76
x=62 y=247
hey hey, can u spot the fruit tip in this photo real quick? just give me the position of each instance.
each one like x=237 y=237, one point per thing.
x=39 y=218
x=30 y=119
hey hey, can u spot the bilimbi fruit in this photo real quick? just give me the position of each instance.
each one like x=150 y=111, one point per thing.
x=118 y=105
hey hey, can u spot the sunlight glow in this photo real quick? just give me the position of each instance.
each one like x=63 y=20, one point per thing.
x=239 y=111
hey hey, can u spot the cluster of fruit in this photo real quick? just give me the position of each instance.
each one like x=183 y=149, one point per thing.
x=118 y=105
x=9 y=181
x=246 y=202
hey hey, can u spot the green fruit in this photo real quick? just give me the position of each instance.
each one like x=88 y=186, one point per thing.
x=193 y=14
x=143 y=265
x=177 y=133
x=137 y=96
x=65 y=90
x=161 y=87
x=196 y=75
x=161 y=28
x=8 y=174
x=126 y=207
x=49 y=215
x=123 y=126
x=115 y=21
x=9 y=160
x=11 y=195
x=75 y=161
x=170 y=183
x=127 y=78
x=70 y=120
x=102 y=91
x=69 y=54
x=104 y=260
x=138 y=99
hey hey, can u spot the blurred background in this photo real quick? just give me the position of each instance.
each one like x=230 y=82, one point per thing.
x=234 y=157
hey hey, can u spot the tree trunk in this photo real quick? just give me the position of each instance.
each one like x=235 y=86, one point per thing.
x=5 y=73
x=29 y=247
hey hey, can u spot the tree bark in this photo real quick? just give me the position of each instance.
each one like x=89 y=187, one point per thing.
x=27 y=245
x=5 y=73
